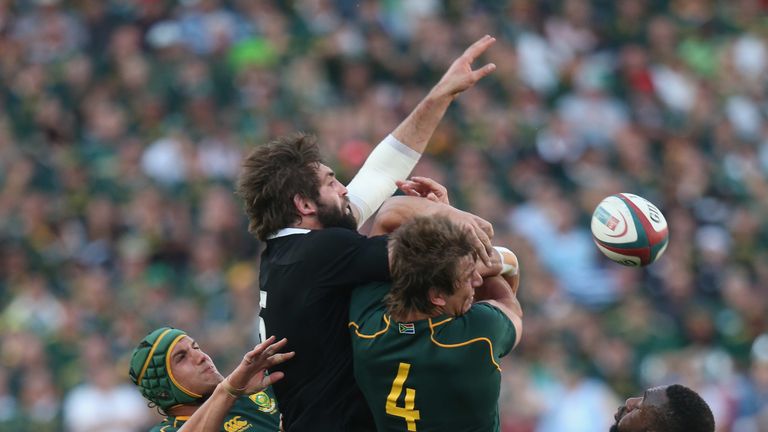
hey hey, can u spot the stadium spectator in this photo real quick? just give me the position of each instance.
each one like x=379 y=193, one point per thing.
x=85 y=405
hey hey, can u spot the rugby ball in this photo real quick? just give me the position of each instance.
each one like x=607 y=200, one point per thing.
x=629 y=229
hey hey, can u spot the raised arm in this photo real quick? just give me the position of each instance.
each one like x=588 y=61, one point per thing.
x=394 y=158
x=247 y=378
x=416 y=130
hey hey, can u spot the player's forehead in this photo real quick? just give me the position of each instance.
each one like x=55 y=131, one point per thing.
x=656 y=396
x=183 y=344
x=324 y=170
x=467 y=265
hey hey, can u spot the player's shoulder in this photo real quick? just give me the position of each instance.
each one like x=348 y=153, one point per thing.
x=482 y=324
x=332 y=238
x=326 y=241
x=482 y=321
x=367 y=299
x=484 y=312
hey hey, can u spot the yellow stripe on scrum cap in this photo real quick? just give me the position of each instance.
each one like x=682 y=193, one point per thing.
x=149 y=357
x=170 y=372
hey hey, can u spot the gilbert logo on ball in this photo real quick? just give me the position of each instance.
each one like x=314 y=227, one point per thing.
x=629 y=229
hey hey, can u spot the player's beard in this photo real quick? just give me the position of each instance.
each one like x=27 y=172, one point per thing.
x=333 y=217
x=614 y=428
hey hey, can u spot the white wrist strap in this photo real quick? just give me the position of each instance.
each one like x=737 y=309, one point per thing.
x=390 y=161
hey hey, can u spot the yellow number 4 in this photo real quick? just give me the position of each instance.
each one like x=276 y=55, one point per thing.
x=407 y=412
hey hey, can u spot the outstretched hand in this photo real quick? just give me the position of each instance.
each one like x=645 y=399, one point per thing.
x=424 y=187
x=249 y=377
x=460 y=75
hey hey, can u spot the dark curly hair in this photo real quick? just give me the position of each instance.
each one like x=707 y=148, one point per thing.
x=272 y=175
x=425 y=254
x=687 y=411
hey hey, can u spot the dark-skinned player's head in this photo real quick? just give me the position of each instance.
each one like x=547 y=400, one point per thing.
x=673 y=408
x=429 y=259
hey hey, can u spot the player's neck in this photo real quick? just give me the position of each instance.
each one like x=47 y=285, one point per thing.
x=309 y=223
x=413 y=316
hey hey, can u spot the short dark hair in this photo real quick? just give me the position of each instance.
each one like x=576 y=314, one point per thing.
x=425 y=254
x=687 y=411
x=271 y=175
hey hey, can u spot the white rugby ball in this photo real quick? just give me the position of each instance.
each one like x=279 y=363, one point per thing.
x=629 y=229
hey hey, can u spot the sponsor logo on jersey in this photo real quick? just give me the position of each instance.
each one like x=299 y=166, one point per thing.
x=264 y=402
x=236 y=425
x=406 y=328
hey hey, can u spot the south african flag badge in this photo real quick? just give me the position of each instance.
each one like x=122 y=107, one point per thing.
x=406 y=328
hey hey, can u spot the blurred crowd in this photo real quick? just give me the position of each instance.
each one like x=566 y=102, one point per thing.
x=123 y=123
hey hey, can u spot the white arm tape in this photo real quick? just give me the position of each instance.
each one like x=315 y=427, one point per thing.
x=390 y=161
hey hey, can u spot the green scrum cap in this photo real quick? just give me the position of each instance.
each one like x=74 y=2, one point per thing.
x=151 y=370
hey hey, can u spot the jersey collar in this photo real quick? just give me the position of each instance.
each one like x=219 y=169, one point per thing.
x=288 y=231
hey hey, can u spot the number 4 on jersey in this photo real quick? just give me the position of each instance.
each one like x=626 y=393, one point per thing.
x=407 y=412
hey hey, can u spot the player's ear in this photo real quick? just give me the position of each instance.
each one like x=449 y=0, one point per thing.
x=436 y=298
x=305 y=206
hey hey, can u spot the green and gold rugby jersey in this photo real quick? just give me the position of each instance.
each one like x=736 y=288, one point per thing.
x=253 y=413
x=438 y=374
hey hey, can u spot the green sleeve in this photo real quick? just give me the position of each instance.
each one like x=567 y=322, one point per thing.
x=486 y=320
x=163 y=428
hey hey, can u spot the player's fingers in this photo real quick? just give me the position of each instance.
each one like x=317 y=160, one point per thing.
x=479 y=74
x=276 y=359
x=432 y=197
x=253 y=354
x=272 y=378
x=485 y=239
x=412 y=192
x=273 y=349
x=482 y=252
x=276 y=347
x=477 y=48
x=484 y=225
x=479 y=244
x=482 y=228
x=431 y=184
x=408 y=188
